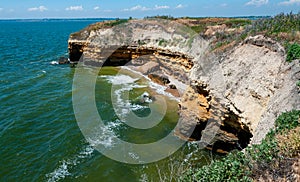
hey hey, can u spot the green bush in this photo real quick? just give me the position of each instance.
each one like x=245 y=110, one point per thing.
x=293 y=52
x=231 y=168
x=279 y=23
x=244 y=166
x=287 y=121
x=116 y=22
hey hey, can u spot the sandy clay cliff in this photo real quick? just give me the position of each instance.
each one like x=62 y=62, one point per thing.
x=227 y=100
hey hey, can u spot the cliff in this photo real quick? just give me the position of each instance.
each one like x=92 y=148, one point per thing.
x=227 y=101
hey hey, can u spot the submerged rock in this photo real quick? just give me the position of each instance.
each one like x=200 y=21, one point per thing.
x=63 y=60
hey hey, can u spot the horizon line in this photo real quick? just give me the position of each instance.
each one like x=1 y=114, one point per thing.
x=86 y=18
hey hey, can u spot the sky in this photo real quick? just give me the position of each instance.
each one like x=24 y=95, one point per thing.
x=12 y=9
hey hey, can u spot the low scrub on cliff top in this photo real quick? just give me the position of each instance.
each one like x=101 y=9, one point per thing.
x=83 y=34
x=284 y=28
x=287 y=23
x=272 y=160
x=293 y=52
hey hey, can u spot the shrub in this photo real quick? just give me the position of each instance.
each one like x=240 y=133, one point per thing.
x=293 y=52
x=289 y=143
x=257 y=160
x=287 y=121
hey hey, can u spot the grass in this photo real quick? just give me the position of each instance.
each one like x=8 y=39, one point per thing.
x=162 y=42
x=268 y=160
x=84 y=33
x=285 y=28
x=236 y=22
x=277 y=24
x=116 y=22
x=293 y=52
x=165 y=17
x=198 y=28
x=282 y=27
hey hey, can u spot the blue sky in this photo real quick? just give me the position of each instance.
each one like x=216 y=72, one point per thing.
x=142 y=8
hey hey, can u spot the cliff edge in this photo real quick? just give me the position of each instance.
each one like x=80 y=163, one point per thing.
x=226 y=101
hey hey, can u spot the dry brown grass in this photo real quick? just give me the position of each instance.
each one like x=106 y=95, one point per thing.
x=289 y=143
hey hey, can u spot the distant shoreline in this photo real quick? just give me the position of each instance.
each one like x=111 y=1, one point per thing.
x=55 y=19
x=88 y=19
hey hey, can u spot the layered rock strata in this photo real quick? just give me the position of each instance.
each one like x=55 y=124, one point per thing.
x=226 y=101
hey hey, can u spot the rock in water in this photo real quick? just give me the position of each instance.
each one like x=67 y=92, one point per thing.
x=63 y=60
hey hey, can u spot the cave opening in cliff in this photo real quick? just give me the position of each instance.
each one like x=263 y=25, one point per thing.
x=232 y=125
x=125 y=54
x=75 y=53
x=222 y=132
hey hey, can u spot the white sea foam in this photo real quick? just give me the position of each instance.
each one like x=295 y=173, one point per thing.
x=59 y=173
x=54 y=62
x=160 y=89
x=104 y=136
x=120 y=79
x=62 y=171
x=122 y=85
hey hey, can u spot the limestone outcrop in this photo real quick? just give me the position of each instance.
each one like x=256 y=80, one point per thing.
x=250 y=87
x=226 y=101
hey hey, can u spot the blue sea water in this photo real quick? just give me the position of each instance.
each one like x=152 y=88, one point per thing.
x=40 y=139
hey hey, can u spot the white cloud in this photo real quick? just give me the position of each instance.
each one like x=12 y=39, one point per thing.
x=96 y=7
x=290 y=2
x=161 y=7
x=74 y=8
x=257 y=2
x=137 y=8
x=40 y=8
x=224 y=5
x=179 y=6
x=143 y=8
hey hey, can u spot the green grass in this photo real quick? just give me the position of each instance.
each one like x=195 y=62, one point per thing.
x=165 y=17
x=279 y=23
x=162 y=42
x=293 y=52
x=282 y=28
x=236 y=23
x=83 y=34
x=116 y=22
x=199 y=28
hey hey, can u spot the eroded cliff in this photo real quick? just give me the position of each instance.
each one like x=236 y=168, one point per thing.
x=226 y=101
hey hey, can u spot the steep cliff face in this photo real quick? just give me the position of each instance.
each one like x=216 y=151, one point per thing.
x=248 y=88
x=164 y=42
x=226 y=102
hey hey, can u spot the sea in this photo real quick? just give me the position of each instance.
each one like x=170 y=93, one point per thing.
x=39 y=135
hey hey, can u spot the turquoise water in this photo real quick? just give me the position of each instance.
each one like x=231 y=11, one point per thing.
x=39 y=136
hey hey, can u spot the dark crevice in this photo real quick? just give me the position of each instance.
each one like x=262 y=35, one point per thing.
x=197 y=133
x=76 y=52
x=232 y=125
x=224 y=146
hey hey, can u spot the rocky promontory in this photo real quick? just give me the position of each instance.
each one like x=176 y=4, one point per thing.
x=227 y=100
